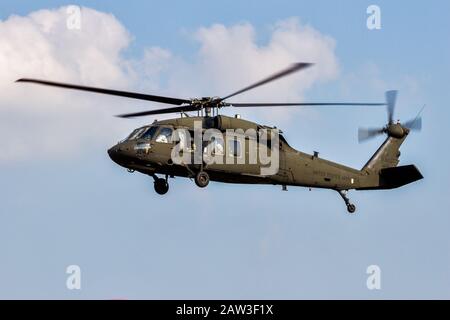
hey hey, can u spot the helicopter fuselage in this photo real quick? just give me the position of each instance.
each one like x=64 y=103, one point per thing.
x=151 y=155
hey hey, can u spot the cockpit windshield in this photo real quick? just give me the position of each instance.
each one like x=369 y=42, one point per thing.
x=149 y=133
x=135 y=133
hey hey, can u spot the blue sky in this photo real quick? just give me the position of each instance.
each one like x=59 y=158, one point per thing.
x=233 y=241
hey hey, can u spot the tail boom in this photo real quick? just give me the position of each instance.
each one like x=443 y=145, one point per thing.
x=381 y=171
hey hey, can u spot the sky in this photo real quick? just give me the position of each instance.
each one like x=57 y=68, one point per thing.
x=64 y=202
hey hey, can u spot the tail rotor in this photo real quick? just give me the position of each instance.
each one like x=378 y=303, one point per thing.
x=397 y=130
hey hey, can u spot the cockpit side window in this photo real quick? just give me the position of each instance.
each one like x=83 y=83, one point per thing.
x=149 y=133
x=164 y=135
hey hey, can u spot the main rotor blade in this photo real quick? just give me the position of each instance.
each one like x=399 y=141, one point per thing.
x=391 y=97
x=368 y=133
x=301 y=104
x=132 y=95
x=415 y=124
x=159 y=111
x=293 y=68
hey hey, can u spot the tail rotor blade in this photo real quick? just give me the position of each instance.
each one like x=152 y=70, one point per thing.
x=365 y=134
x=391 y=97
x=415 y=124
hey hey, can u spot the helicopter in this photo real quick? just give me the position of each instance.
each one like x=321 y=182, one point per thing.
x=238 y=146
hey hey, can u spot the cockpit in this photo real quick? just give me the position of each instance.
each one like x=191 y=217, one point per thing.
x=159 y=134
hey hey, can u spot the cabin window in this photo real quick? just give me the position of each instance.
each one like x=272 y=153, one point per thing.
x=182 y=139
x=164 y=135
x=215 y=147
x=235 y=148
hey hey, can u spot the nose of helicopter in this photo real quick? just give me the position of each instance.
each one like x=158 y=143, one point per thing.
x=119 y=154
x=113 y=153
x=122 y=154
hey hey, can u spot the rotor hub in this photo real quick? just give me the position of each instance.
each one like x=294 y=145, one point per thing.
x=396 y=130
x=207 y=102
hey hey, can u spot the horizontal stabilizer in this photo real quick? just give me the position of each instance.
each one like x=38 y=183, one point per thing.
x=398 y=176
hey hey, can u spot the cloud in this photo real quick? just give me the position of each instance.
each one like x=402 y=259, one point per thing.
x=233 y=57
x=47 y=123
x=40 y=122
x=230 y=58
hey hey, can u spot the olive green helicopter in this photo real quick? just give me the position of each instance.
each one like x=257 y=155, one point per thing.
x=150 y=149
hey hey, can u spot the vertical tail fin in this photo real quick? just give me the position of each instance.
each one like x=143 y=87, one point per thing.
x=382 y=171
x=386 y=156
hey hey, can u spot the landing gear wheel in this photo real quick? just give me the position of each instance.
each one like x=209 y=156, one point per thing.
x=351 y=208
x=161 y=186
x=202 y=179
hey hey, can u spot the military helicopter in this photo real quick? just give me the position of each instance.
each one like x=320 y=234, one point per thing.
x=150 y=148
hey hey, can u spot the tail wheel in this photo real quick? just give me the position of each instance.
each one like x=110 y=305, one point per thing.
x=202 y=179
x=351 y=208
x=161 y=186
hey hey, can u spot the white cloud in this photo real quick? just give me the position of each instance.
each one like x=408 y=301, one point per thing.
x=230 y=58
x=42 y=122
x=233 y=58
x=50 y=122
